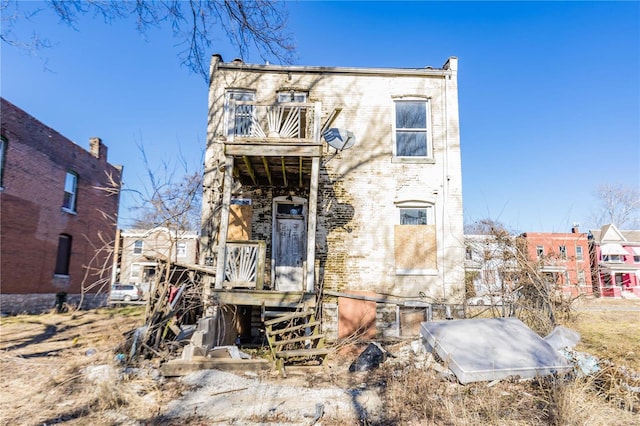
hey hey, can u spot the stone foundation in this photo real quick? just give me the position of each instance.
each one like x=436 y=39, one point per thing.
x=13 y=304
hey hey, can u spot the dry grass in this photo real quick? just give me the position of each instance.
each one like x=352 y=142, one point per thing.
x=60 y=368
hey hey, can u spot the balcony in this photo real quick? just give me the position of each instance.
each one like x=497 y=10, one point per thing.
x=291 y=122
x=273 y=144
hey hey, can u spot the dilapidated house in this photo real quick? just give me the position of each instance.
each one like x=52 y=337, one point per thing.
x=332 y=190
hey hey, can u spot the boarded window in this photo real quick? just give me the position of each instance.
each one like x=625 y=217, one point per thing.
x=63 y=256
x=415 y=247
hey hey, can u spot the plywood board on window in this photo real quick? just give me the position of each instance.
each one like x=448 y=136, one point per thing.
x=240 y=222
x=356 y=317
x=415 y=246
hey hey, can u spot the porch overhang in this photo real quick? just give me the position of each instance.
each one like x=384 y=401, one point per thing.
x=619 y=268
x=268 y=163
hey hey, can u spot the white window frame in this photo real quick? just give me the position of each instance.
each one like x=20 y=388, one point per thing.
x=540 y=251
x=71 y=188
x=429 y=206
x=136 y=272
x=298 y=96
x=579 y=254
x=428 y=157
x=181 y=249
x=236 y=95
x=136 y=249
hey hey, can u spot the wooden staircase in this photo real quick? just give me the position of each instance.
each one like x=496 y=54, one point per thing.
x=295 y=337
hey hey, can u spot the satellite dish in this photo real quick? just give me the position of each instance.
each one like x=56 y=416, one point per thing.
x=339 y=138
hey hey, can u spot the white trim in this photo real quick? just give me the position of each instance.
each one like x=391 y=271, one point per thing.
x=428 y=157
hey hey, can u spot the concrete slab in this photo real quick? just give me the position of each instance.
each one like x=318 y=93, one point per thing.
x=490 y=349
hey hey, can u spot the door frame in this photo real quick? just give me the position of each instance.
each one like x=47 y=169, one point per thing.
x=288 y=199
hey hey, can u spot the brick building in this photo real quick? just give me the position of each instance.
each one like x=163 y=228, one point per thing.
x=347 y=184
x=563 y=258
x=56 y=217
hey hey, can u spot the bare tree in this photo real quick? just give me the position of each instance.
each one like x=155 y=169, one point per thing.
x=196 y=24
x=618 y=204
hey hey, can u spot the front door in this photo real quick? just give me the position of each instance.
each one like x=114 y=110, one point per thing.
x=289 y=243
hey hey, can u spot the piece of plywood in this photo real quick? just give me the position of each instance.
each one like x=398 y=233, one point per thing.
x=356 y=317
x=240 y=222
x=415 y=247
x=490 y=349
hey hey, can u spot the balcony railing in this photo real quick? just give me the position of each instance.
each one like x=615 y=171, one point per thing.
x=292 y=121
x=244 y=264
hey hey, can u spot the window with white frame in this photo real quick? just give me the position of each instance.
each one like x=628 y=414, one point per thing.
x=416 y=215
x=415 y=239
x=138 y=245
x=70 y=192
x=579 y=254
x=612 y=258
x=293 y=118
x=411 y=126
x=181 y=249
x=540 y=252
x=136 y=269
x=239 y=116
x=563 y=251
x=581 y=277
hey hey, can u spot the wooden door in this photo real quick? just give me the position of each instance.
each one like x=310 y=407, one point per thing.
x=289 y=245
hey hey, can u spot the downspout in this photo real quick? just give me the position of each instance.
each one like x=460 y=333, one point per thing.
x=445 y=189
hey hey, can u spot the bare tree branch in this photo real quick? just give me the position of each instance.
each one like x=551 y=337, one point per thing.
x=257 y=24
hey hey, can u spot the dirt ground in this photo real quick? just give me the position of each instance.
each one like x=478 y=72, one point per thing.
x=64 y=369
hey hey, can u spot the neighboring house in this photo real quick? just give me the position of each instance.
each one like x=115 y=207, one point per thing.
x=615 y=257
x=489 y=264
x=342 y=186
x=563 y=259
x=139 y=250
x=59 y=207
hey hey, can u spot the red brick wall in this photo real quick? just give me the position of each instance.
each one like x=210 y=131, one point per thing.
x=31 y=217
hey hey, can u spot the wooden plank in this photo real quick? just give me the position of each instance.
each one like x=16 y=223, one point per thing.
x=267 y=150
x=283 y=342
x=303 y=353
x=288 y=317
x=267 y=171
x=311 y=224
x=179 y=367
x=310 y=324
x=252 y=175
x=270 y=299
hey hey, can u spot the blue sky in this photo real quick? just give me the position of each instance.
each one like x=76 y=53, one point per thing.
x=549 y=92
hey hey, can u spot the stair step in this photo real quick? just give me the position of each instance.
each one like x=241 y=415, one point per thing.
x=311 y=324
x=288 y=317
x=303 y=352
x=298 y=339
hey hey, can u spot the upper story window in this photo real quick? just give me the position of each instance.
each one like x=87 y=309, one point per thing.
x=292 y=96
x=636 y=258
x=181 y=249
x=579 y=254
x=63 y=256
x=70 y=192
x=411 y=127
x=540 y=252
x=613 y=258
x=563 y=252
x=468 y=253
x=239 y=120
x=3 y=149
x=137 y=246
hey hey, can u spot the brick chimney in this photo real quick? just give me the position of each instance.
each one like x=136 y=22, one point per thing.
x=97 y=148
x=575 y=229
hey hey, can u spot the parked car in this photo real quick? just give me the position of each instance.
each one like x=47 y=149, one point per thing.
x=125 y=292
